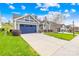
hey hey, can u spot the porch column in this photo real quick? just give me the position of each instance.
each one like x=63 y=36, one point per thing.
x=14 y=24
x=37 y=28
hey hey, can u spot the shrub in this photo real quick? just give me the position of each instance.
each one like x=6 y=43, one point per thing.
x=45 y=31
x=2 y=29
x=16 y=32
x=49 y=30
x=11 y=30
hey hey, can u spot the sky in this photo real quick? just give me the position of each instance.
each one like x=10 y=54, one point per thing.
x=70 y=10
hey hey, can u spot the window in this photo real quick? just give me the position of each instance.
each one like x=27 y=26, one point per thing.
x=21 y=24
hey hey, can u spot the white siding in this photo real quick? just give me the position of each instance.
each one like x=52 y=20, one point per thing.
x=22 y=21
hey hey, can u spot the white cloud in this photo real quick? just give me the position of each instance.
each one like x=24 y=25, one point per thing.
x=38 y=5
x=77 y=23
x=47 y=5
x=50 y=12
x=73 y=10
x=41 y=17
x=73 y=4
x=44 y=9
x=53 y=13
x=68 y=22
x=23 y=7
x=53 y=5
x=16 y=12
x=66 y=11
x=77 y=3
x=60 y=10
x=67 y=15
x=25 y=14
x=11 y=7
x=4 y=19
x=11 y=3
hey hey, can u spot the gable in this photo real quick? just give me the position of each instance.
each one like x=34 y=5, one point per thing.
x=27 y=18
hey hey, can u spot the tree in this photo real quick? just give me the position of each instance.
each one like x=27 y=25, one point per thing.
x=56 y=17
x=7 y=27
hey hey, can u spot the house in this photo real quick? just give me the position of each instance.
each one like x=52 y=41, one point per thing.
x=30 y=24
x=47 y=26
x=63 y=28
x=26 y=24
x=76 y=29
x=69 y=28
x=44 y=25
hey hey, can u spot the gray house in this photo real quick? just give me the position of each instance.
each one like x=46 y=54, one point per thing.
x=47 y=26
x=26 y=24
x=30 y=24
x=64 y=28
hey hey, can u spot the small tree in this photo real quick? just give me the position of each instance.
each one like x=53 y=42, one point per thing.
x=7 y=27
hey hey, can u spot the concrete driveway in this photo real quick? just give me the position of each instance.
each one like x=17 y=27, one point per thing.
x=70 y=49
x=43 y=44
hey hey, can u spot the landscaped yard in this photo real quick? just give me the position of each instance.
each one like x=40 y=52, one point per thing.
x=15 y=46
x=76 y=32
x=60 y=35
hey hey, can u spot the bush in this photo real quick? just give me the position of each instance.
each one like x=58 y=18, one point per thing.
x=2 y=29
x=11 y=30
x=45 y=30
x=16 y=32
x=49 y=30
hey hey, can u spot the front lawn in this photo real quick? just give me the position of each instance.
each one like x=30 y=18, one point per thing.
x=15 y=46
x=60 y=35
x=76 y=32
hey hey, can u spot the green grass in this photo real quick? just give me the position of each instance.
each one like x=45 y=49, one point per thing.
x=76 y=32
x=61 y=35
x=15 y=46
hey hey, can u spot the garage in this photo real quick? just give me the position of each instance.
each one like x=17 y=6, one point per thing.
x=27 y=28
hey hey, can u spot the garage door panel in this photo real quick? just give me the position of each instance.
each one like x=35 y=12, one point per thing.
x=28 y=28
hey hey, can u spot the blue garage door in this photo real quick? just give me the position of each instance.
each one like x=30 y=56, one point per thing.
x=27 y=28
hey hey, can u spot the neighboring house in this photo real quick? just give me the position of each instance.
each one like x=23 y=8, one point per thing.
x=63 y=28
x=76 y=29
x=55 y=27
x=26 y=24
x=69 y=28
x=44 y=25
x=49 y=26
x=30 y=24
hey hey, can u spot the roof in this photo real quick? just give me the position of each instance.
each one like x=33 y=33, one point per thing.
x=27 y=16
